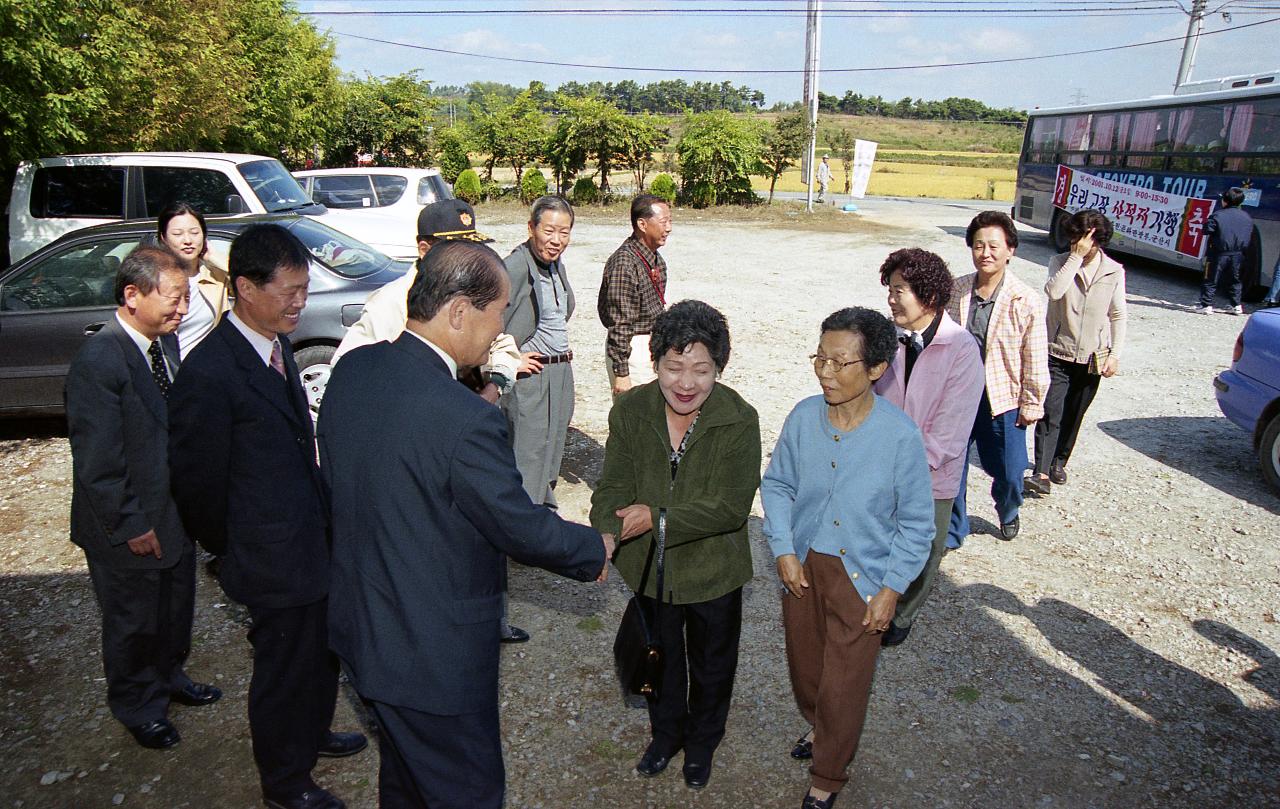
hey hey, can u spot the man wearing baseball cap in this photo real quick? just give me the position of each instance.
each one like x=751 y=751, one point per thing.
x=386 y=310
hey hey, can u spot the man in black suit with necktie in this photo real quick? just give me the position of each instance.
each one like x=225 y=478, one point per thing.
x=140 y=560
x=427 y=505
x=246 y=483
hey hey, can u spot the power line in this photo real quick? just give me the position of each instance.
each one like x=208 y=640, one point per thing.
x=1092 y=11
x=792 y=71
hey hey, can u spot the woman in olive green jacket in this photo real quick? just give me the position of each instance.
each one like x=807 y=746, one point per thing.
x=690 y=447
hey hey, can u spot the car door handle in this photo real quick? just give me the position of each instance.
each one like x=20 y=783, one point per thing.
x=93 y=328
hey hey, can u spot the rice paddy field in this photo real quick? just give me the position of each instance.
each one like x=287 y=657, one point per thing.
x=946 y=175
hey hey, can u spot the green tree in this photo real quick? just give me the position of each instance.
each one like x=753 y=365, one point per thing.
x=385 y=116
x=783 y=145
x=718 y=154
x=641 y=136
x=590 y=128
x=509 y=130
x=841 y=142
x=454 y=160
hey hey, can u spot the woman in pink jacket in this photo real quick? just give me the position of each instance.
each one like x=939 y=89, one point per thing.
x=937 y=379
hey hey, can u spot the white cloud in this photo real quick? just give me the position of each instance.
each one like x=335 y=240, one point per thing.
x=482 y=40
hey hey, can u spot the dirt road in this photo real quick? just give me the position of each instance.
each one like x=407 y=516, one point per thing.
x=1120 y=653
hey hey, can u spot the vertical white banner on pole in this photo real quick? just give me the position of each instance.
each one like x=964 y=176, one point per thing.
x=864 y=156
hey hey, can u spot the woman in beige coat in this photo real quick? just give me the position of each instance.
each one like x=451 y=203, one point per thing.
x=181 y=228
x=1086 y=326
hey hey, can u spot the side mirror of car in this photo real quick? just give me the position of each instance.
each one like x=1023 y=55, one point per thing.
x=235 y=204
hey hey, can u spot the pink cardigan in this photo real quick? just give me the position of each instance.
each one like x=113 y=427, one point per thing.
x=943 y=401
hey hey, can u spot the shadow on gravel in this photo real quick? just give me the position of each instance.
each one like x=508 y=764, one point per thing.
x=1213 y=450
x=583 y=458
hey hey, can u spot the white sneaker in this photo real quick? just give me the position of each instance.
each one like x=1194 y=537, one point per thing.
x=1203 y=310
x=1237 y=310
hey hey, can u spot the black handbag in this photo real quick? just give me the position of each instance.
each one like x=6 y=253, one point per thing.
x=637 y=649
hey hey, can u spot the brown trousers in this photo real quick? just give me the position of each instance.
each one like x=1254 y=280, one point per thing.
x=832 y=660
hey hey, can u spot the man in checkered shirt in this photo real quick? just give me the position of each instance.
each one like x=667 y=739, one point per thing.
x=633 y=293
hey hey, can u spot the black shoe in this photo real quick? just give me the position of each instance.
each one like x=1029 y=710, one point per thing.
x=340 y=745
x=653 y=761
x=1009 y=530
x=696 y=776
x=1036 y=485
x=515 y=635
x=811 y=802
x=803 y=751
x=213 y=567
x=158 y=734
x=894 y=635
x=316 y=798
x=1058 y=472
x=197 y=694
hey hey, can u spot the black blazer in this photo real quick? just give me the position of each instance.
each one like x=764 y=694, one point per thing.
x=244 y=474
x=119 y=431
x=427 y=504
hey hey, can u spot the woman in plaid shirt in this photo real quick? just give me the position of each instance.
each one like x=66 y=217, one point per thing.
x=1007 y=319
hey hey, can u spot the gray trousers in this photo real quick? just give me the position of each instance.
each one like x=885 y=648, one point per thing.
x=538 y=409
x=913 y=599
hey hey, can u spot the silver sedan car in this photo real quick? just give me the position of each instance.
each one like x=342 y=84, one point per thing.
x=52 y=300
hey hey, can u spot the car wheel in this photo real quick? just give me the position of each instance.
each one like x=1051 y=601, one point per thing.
x=1269 y=453
x=314 y=364
x=1058 y=236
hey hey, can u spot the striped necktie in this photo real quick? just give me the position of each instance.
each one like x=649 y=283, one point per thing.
x=277 y=358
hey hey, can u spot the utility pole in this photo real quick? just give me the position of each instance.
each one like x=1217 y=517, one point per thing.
x=812 y=41
x=1191 y=42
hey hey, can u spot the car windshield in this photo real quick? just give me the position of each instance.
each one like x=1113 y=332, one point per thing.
x=432 y=188
x=338 y=251
x=275 y=186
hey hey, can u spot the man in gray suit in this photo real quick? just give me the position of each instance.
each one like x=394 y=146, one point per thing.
x=140 y=559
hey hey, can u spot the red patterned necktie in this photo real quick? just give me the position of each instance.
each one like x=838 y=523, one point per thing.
x=277 y=359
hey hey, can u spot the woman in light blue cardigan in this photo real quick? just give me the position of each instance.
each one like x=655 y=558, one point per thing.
x=849 y=517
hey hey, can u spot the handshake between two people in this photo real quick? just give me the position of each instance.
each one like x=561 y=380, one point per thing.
x=637 y=519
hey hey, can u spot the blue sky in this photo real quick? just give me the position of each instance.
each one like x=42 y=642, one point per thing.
x=737 y=42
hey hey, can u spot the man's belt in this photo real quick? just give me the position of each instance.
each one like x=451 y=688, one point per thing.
x=552 y=359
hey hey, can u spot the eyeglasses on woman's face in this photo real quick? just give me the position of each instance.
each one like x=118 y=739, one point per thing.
x=821 y=363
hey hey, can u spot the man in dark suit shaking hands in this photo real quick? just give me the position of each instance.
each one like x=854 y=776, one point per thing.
x=247 y=485
x=140 y=560
x=427 y=505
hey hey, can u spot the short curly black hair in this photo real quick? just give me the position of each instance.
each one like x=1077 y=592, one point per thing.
x=879 y=337
x=992 y=219
x=1081 y=222
x=926 y=273
x=689 y=322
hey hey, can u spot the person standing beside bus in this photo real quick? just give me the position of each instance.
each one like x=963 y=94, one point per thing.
x=1229 y=231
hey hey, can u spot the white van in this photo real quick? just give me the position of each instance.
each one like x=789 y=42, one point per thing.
x=56 y=195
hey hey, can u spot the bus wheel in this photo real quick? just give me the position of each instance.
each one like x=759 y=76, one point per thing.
x=1058 y=231
x=1252 y=288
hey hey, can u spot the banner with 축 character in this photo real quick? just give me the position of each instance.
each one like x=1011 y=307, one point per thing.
x=1164 y=220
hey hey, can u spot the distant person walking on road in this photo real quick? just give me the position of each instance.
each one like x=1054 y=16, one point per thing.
x=824 y=177
x=1229 y=231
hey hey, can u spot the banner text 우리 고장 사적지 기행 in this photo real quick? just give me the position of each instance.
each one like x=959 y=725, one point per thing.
x=1168 y=221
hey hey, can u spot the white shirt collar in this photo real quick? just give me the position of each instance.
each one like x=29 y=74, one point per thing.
x=260 y=344
x=449 y=361
x=143 y=344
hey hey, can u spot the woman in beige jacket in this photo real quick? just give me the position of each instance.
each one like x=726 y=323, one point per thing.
x=1086 y=326
x=181 y=228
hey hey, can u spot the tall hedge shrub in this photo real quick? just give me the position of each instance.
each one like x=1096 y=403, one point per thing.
x=467 y=187
x=453 y=154
x=585 y=192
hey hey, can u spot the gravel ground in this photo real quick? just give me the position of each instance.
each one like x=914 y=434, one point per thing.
x=1119 y=653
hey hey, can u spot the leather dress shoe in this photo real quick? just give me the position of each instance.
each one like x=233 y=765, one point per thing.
x=316 y=798
x=1033 y=484
x=1057 y=473
x=1009 y=530
x=803 y=751
x=653 y=761
x=197 y=694
x=894 y=635
x=158 y=734
x=339 y=745
x=696 y=775
x=811 y=802
x=515 y=635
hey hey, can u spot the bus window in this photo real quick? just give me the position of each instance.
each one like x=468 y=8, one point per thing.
x=1075 y=139
x=1146 y=128
x=1255 y=129
x=1043 y=147
x=1199 y=129
x=1109 y=134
